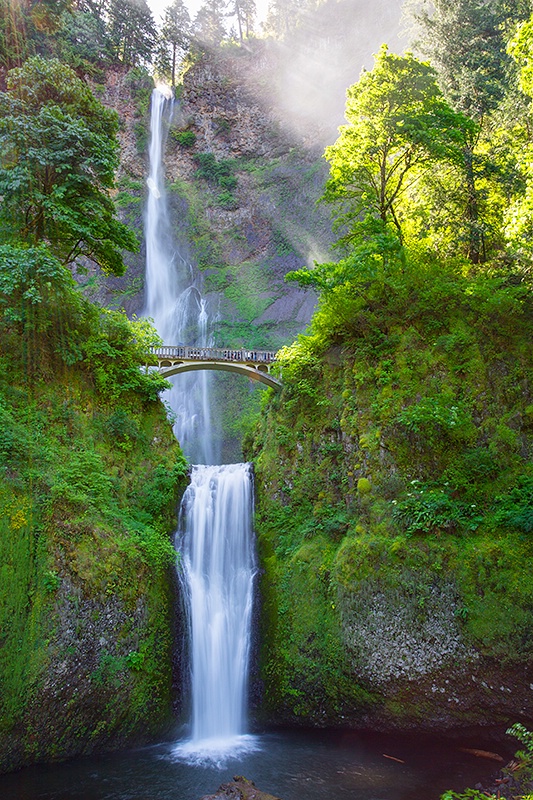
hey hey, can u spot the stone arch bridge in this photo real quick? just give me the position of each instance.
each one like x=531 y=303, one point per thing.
x=255 y=364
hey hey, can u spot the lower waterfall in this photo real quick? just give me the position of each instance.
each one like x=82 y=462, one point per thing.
x=217 y=572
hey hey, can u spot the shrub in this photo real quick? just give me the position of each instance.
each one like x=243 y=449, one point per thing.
x=184 y=138
x=219 y=173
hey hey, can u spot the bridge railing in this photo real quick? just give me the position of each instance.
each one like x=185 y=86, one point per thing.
x=214 y=354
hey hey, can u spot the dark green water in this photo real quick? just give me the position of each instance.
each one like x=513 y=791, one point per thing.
x=294 y=765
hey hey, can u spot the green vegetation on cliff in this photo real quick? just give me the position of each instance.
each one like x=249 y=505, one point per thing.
x=90 y=475
x=90 y=472
x=394 y=472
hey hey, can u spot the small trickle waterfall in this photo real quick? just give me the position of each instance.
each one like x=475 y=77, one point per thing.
x=215 y=532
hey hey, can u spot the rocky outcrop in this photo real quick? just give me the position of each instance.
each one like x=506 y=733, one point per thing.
x=239 y=789
x=268 y=224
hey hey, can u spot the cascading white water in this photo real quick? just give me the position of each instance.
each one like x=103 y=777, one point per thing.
x=173 y=297
x=215 y=541
x=215 y=536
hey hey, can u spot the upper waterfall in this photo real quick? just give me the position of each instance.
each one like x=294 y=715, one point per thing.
x=173 y=296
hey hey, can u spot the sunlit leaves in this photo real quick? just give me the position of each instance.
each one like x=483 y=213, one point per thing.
x=521 y=49
x=398 y=125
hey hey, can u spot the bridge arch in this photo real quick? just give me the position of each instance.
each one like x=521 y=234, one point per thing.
x=254 y=364
x=256 y=372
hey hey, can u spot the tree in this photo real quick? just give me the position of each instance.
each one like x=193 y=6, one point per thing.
x=282 y=16
x=175 y=37
x=521 y=49
x=84 y=43
x=58 y=155
x=398 y=125
x=245 y=11
x=209 y=25
x=465 y=40
x=519 y=216
x=26 y=25
x=132 y=30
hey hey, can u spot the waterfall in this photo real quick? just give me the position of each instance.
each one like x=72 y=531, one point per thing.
x=173 y=297
x=215 y=537
x=216 y=546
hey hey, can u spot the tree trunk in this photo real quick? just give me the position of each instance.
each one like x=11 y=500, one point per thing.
x=476 y=243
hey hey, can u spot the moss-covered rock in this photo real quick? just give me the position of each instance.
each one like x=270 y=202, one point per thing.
x=395 y=508
x=90 y=479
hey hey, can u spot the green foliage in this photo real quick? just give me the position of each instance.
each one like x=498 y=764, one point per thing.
x=89 y=483
x=414 y=380
x=437 y=417
x=306 y=672
x=524 y=776
x=398 y=123
x=132 y=31
x=466 y=42
x=468 y=794
x=30 y=276
x=227 y=200
x=432 y=510
x=524 y=736
x=520 y=48
x=58 y=155
x=83 y=42
x=174 y=38
x=185 y=138
x=141 y=85
x=515 y=508
x=219 y=173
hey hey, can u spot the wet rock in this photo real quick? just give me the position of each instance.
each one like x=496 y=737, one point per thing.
x=239 y=789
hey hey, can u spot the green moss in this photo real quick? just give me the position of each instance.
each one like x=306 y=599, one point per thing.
x=306 y=671
x=90 y=478
x=364 y=486
x=398 y=459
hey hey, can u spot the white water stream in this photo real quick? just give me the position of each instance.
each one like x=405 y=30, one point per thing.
x=215 y=533
x=218 y=567
x=173 y=298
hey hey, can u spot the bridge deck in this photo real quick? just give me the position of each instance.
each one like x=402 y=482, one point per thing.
x=254 y=364
x=188 y=353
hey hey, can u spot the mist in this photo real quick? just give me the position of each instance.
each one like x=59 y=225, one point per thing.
x=315 y=64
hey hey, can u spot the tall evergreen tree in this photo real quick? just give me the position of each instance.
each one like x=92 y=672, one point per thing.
x=133 y=31
x=465 y=41
x=175 y=37
x=25 y=28
x=245 y=13
x=209 y=24
x=84 y=42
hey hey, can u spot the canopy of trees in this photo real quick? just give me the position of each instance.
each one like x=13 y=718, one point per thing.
x=59 y=152
x=399 y=124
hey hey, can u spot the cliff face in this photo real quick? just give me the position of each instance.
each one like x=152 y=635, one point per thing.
x=251 y=213
x=243 y=218
x=395 y=512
